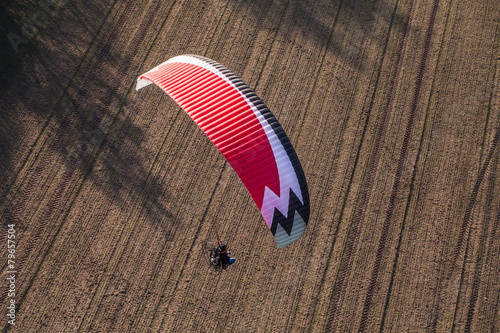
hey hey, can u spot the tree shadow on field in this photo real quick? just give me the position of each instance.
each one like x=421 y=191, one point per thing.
x=314 y=21
x=78 y=104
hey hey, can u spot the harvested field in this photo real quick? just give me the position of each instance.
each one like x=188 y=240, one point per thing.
x=392 y=106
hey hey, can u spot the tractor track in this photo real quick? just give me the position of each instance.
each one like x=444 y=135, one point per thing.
x=356 y=158
x=51 y=207
x=348 y=257
x=464 y=234
x=13 y=217
x=478 y=186
x=36 y=234
x=399 y=171
x=481 y=260
x=172 y=272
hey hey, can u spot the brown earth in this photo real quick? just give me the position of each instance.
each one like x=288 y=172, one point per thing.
x=393 y=108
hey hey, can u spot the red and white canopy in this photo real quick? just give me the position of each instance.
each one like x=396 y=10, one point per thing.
x=246 y=133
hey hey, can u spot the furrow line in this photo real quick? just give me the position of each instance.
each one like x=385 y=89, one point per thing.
x=399 y=171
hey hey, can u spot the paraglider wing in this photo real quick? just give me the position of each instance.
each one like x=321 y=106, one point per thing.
x=246 y=133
